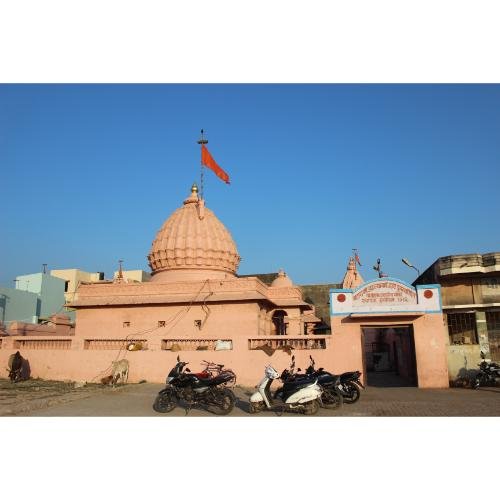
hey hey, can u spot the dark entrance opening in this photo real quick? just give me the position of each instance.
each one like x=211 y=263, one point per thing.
x=389 y=356
x=279 y=322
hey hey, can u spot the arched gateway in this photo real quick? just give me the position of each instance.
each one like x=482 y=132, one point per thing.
x=388 y=326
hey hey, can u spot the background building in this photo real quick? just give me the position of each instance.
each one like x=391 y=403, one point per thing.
x=18 y=305
x=73 y=277
x=470 y=285
x=137 y=275
x=35 y=297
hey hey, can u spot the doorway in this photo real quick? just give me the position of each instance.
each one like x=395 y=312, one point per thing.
x=279 y=323
x=389 y=356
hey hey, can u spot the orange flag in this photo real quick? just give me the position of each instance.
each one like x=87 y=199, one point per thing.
x=208 y=161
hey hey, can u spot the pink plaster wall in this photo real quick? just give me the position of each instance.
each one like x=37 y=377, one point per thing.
x=431 y=342
x=222 y=321
x=153 y=365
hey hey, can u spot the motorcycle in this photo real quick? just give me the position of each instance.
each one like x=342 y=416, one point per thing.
x=208 y=388
x=350 y=385
x=332 y=396
x=345 y=386
x=301 y=395
x=488 y=374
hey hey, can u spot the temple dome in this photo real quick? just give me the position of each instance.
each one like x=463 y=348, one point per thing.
x=282 y=280
x=193 y=244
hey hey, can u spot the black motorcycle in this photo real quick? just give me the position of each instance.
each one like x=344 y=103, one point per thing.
x=488 y=374
x=347 y=384
x=331 y=398
x=207 y=388
x=350 y=384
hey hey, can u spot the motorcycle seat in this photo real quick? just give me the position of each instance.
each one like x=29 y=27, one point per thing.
x=219 y=379
x=298 y=382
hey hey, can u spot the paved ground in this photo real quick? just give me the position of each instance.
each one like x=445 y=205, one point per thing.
x=59 y=399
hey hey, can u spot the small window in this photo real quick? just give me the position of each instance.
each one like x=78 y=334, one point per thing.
x=66 y=286
x=161 y=324
x=462 y=328
x=126 y=324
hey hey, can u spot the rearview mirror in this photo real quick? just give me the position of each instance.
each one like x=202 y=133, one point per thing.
x=299 y=369
x=482 y=355
x=187 y=370
x=178 y=358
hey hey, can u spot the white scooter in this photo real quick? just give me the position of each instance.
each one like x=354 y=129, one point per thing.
x=298 y=395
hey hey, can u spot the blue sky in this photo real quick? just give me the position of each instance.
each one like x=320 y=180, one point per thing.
x=90 y=172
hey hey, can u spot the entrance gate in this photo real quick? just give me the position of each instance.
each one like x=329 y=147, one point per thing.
x=389 y=353
x=392 y=331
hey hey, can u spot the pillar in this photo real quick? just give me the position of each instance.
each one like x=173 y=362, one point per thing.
x=482 y=332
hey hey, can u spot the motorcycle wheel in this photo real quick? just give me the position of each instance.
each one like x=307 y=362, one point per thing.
x=164 y=403
x=224 y=403
x=331 y=400
x=255 y=407
x=354 y=393
x=311 y=407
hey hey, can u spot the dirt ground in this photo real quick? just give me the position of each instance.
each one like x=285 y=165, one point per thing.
x=52 y=398
x=34 y=394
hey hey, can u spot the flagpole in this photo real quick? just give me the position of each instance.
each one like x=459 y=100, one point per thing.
x=201 y=142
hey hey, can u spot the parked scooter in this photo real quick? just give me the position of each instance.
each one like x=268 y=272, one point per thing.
x=207 y=388
x=346 y=385
x=332 y=396
x=302 y=395
x=489 y=373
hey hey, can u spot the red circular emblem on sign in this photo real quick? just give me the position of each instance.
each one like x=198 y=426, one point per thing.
x=428 y=294
x=341 y=297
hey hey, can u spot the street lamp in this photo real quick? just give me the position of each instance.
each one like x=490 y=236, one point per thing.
x=406 y=262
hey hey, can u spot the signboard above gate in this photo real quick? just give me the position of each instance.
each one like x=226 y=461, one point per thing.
x=385 y=295
x=384 y=292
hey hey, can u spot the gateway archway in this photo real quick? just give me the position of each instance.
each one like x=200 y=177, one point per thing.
x=386 y=326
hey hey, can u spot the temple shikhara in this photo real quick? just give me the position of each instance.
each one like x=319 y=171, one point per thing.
x=196 y=306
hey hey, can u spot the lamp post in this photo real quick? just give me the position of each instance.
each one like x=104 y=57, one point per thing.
x=406 y=262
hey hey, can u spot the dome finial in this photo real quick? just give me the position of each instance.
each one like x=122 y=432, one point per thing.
x=193 y=197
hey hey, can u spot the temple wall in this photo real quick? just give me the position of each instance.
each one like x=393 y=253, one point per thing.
x=218 y=321
x=67 y=363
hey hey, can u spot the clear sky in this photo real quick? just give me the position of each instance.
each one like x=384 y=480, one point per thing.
x=90 y=172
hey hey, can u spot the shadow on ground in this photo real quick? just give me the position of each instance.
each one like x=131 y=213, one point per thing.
x=387 y=379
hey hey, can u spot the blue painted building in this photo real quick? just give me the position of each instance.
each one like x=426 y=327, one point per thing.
x=36 y=296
